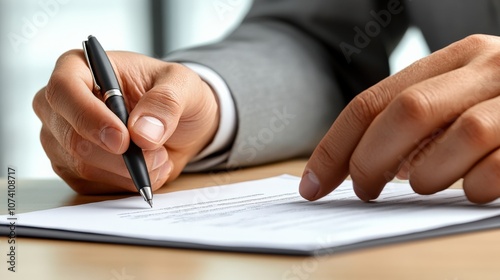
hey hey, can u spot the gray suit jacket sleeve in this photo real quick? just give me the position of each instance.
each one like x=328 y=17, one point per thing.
x=292 y=65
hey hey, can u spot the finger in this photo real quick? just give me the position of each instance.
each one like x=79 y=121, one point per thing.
x=86 y=158
x=85 y=178
x=414 y=117
x=481 y=184
x=474 y=135
x=78 y=149
x=82 y=177
x=81 y=155
x=329 y=163
x=109 y=183
x=155 y=117
x=158 y=113
x=87 y=161
x=69 y=94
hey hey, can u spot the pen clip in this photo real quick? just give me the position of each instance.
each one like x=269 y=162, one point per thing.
x=97 y=88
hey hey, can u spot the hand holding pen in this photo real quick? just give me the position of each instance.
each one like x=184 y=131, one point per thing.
x=173 y=115
x=107 y=85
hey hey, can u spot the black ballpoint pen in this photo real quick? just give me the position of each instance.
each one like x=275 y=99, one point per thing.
x=106 y=83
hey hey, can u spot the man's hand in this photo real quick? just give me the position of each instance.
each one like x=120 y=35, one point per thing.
x=433 y=123
x=173 y=116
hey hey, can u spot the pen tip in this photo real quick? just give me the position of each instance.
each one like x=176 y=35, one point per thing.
x=147 y=195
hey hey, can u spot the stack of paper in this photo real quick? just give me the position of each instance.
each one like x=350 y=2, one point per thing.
x=266 y=216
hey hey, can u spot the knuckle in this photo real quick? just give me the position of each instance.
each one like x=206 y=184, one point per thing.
x=175 y=93
x=166 y=96
x=182 y=72
x=324 y=152
x=476 y=129
x=51 y=90
x=413 y=106
x=470 y=45
x=365 y=106
x=476 y=41
x=69 y=55
x=467 y=49
x=490 y=63
x=59 y=78
x=485 y=54
x=46 y=140
x=179 y=75
x=38 y=102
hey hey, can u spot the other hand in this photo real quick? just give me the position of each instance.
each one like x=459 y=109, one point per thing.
x=433 y=123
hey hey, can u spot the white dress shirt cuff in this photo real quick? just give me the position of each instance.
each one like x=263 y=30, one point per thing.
x=216 y=152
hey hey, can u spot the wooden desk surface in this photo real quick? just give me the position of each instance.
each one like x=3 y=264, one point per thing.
x=466 y=256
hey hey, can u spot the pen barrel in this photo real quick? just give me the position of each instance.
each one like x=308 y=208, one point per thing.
x=116 y=104
x=133 y=157
x=134 y=160
x=101 y=66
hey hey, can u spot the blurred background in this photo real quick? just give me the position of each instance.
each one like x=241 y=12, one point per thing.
x=36 y=32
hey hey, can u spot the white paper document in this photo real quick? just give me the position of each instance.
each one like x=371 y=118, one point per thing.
x=263 y=216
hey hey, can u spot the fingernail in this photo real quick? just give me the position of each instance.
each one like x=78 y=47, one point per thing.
x=360 y=192
x=150 y=128
x=112 y=138
x=309 y=185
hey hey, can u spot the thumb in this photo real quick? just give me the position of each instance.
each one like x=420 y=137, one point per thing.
x=155 y=117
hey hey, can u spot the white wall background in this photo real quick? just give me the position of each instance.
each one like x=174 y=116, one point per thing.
x=35 y=32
